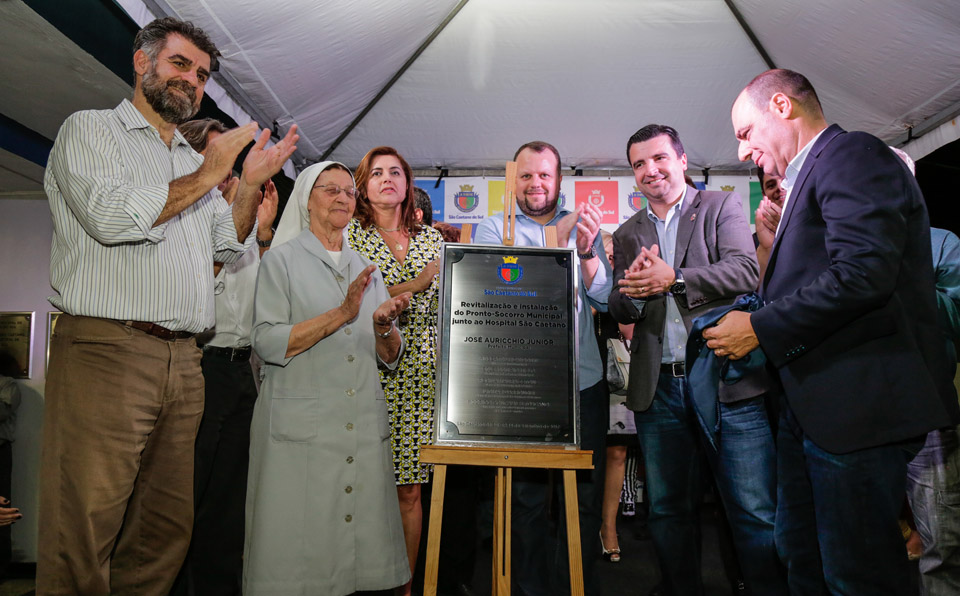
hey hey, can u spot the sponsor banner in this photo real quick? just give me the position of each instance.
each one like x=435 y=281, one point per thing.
x=466 y=200
x=631 y=200
x=436 y=195
x=472 y=199
x=495 y=192
x=601 y=194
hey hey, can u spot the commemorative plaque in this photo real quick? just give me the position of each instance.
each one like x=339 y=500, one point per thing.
x=16 y=341
x=508 y=346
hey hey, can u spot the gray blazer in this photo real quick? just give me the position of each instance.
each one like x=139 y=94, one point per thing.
x=716 y=256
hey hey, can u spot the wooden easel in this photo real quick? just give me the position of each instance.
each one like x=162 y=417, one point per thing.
x=504 y=460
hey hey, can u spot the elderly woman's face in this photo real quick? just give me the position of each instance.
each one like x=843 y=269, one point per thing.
x=387 y=186
x=329 y=202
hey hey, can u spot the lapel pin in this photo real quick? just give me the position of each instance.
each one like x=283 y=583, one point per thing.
x=693 y=217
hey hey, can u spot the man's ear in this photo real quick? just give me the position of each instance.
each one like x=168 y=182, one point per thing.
x=781 y=105
x=418 y=213
x=141 y=63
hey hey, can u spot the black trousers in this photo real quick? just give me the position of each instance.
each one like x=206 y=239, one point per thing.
x=214 y=564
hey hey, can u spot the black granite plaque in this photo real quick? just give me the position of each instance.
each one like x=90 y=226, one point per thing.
x=508 y=346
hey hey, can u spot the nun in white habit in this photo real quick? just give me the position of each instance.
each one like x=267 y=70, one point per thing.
x=322 y=514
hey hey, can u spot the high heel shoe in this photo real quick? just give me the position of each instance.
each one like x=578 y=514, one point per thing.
x=612 y=555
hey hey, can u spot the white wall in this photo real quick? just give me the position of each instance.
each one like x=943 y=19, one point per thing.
x=25 y=233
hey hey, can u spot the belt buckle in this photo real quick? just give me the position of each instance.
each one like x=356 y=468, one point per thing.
x=236 y=353
x=674 y=367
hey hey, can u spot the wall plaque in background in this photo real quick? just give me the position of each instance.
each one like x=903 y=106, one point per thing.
x=508 y=346
x=16 y=340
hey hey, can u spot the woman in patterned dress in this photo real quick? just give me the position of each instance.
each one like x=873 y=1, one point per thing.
x=387 y=232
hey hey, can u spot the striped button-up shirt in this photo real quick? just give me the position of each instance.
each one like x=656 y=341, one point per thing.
x=107 y=181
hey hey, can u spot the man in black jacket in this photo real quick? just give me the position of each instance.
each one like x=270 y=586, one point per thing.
x=850 y=324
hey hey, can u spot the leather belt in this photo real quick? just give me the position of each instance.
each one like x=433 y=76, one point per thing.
x=157 y=330
x=231 y=354
x=674 y=369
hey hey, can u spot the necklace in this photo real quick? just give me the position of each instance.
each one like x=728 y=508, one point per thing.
x=398 y=245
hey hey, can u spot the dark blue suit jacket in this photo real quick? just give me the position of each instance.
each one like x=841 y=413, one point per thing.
x=850 y=320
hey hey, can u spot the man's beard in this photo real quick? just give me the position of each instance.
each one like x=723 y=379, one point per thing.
x=548 y=206
x=172 y=107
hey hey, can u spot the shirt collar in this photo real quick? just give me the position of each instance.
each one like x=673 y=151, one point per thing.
x=131 y=117
x=556 y=216
x=673 y=210
x=796 y=164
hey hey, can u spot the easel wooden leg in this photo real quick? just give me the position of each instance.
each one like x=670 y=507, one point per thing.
x=573 y=532
x=501 y=532
x=433 y=535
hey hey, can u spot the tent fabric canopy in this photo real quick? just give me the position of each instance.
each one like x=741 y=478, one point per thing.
x=581 y=75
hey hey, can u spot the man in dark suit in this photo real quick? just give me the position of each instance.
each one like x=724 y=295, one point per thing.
x=687 y=252
x=850 y=324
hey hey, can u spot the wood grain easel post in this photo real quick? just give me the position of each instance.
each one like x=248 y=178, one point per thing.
x=504 y=459
x=466 y=233
x=510 y=204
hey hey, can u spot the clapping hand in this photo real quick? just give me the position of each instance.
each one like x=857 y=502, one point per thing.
x=222 y=151
x=647 y=275
x=427 y=275
x=767 y=219
x=391 y=309
x=261 y=162
x=351 y=302
x=586 y=218
x=267 y=211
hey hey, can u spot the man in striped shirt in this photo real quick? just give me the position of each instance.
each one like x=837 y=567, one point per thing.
x=137 y=225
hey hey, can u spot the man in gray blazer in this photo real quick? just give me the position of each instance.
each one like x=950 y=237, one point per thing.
x=687 y=252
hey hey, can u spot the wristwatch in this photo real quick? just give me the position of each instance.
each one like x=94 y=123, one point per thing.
x=588 y=255
x=264 y=243
x=679 y=288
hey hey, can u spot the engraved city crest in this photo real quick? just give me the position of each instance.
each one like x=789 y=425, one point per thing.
x=466 y=200
x=596 y=197
x=636 y=200
x=510 y=272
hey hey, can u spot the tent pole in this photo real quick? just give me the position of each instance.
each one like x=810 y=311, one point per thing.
x=753 y=38
x=396 y=77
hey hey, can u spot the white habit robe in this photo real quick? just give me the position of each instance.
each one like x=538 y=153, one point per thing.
x=322 y=514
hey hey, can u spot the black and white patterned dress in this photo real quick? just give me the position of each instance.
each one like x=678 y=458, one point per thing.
x=409 y=389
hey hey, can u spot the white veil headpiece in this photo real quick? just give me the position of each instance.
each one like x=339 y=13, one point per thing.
x=295 y=217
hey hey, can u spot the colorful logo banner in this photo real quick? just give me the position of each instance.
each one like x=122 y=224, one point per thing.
x=601 y=194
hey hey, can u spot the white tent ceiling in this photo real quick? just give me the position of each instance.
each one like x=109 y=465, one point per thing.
x=582 y=75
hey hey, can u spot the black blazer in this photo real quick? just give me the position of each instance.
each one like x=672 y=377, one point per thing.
x=850 y=320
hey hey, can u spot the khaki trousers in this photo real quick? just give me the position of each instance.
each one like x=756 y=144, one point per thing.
x=116 y=475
